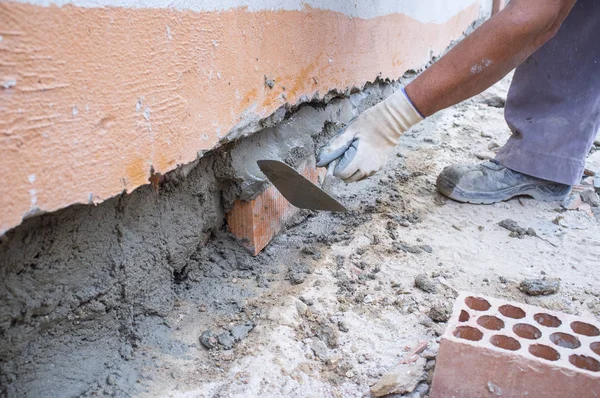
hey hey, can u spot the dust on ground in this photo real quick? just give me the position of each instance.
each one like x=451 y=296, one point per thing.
x=349 y=295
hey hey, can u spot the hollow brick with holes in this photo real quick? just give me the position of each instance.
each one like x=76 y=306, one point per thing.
x=496 y=348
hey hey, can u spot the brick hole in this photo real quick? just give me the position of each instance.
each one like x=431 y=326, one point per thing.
x=505 y=342
x=510 y=311
x=595 y=347
x=585 y=329
x=490 y=322
x=468 y=333
x=565 y=340
x=477 y=303
x=527 y=331
x=585 y=362
x=547 y=320
x=544 y=352
x=464 y=316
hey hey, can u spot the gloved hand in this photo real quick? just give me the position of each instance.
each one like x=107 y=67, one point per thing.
x=366 y=142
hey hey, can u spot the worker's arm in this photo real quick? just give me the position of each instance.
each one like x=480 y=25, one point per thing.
x=488 y=54
x=477 y=62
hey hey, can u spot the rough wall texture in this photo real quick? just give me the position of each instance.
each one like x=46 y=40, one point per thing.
x=95 y=100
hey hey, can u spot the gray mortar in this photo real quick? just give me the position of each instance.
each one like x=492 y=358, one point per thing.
x=295 y=139
x=85 y=287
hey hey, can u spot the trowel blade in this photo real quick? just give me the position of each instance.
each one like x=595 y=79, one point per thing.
x=297 y=189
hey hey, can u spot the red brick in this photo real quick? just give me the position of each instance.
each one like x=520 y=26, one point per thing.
x=492 y=353
x=256 y=222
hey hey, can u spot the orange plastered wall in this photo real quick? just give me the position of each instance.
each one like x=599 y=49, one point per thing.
x=93 y=99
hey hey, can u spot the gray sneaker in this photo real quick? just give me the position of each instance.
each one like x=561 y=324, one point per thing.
x=490 y=182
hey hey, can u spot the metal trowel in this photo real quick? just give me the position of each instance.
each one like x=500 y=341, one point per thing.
x=297 y=189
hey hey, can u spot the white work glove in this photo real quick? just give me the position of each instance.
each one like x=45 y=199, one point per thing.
x=366 y=142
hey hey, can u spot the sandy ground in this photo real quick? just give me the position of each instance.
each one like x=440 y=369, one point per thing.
x=364 y=312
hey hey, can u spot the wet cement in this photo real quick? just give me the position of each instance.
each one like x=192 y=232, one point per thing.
x=85 y=289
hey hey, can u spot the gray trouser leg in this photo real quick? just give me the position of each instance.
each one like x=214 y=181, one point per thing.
x=553 y=106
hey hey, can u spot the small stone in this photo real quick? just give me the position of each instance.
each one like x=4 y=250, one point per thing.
x=516 y=230
x=361 y=359
x=301 y=307
x=588 y=181
x=572 y=202
x=484 y=156
x=240 y=332
x=297 y=273
x=427 y=248
x=539 y=287
x=208 y=339
x=327 y=333
x=307 y=301
x=320 y=350
x=407 y=248
x=402 y=379
x=368 y=299
x=422 y=388
x=590 y=197
x=226 y=340
x=430 y=364
x=560 y=221
x=440 y=312
x=425 y=283
x=343 y=327
x=493 y=146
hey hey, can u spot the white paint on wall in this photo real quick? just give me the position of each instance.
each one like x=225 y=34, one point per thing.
x=434 y=11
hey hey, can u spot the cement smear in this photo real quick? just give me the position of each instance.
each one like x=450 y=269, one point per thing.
x=86 y=290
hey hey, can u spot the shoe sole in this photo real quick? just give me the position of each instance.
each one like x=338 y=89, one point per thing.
x=537 y=192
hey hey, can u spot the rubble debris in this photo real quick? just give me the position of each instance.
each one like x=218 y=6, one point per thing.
x=426 y=248
x=440 y=312
x=540 y=287
x=208 y=340
x=298 y=272
x=240 y=332
x=401 y=246
x=301 y=307
x=343 y=327
x=426 y=283
x=590 y=197
x=560 y=221
x=320 y=349
x=572 y=202
x=516 y=231
x=328 y=334
x=413 y=354
x=226 y=340
x=403 y=378
x=307 y=301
